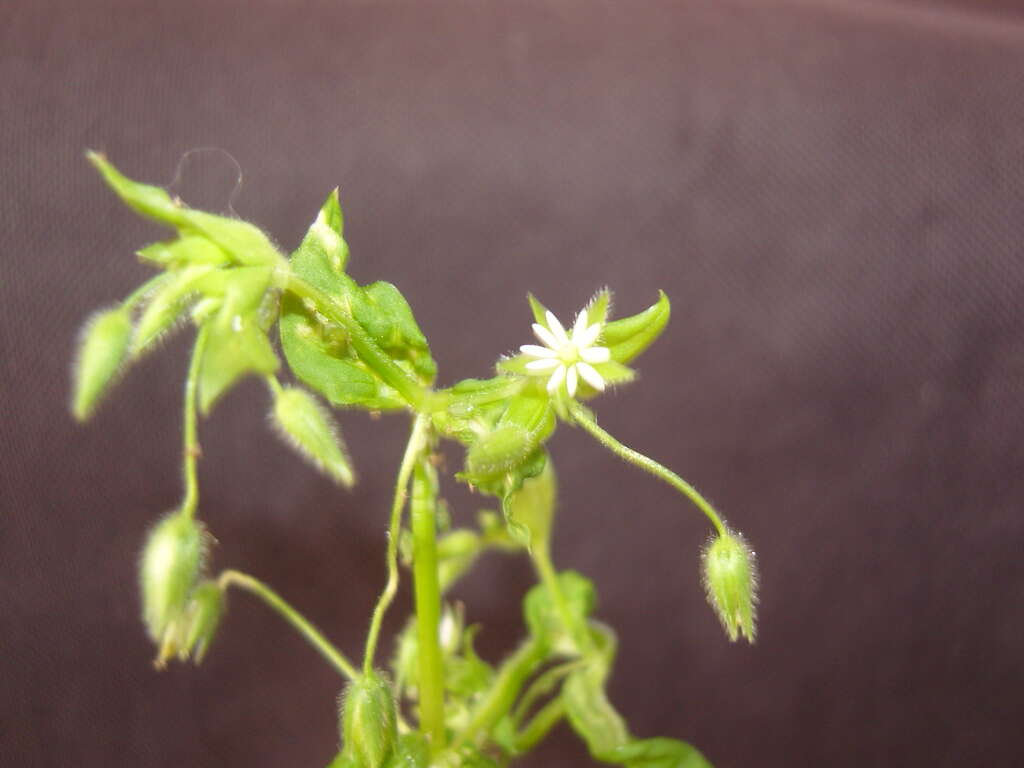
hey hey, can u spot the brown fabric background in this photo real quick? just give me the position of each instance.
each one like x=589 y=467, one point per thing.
x=831 y=194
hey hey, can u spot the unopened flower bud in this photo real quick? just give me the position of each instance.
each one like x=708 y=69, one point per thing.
x=101 y=351
x=730 y=577
x=171 y=563
x=369 y=727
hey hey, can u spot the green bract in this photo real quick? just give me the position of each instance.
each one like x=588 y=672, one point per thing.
x=359 y=346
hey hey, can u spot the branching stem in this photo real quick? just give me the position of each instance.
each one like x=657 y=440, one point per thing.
x=315 y=638
x=416 y=444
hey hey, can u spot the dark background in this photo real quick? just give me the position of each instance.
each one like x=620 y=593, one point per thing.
x=830 y=193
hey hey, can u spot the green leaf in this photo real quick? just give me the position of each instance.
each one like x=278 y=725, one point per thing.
x=101 y=351
x=658 y=753
x=149 y=201
x=628 y=337
x=236 y=346
x=387 y=317
x=309 y=429
x=590 y=713
x=319 y=352
x=245 y=243
x=543 y=618
x=323 y=364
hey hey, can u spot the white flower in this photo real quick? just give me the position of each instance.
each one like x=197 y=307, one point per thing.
x=568 y=357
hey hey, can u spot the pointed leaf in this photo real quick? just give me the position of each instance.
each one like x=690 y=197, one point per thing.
x=309 y=429
x=538 y=309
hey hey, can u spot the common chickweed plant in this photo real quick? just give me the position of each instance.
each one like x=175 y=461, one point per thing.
x=437 y=703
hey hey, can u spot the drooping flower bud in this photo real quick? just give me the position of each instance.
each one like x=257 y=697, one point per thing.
x=171 y=563
x=101 y=351
x=369 y=729
x=730 y=577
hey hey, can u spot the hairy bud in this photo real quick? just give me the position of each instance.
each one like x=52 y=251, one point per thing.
x=730 y=577
x=369 y=721
x=171 y=563
x=101 y=351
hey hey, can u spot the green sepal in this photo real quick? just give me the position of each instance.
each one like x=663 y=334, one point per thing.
x=167 y=306
x=185 y=251
x=524 y=426
x=628 y=337
x=538 y=309
x=545 y=621
x=598 y=306
x=304 y=423
x=102 y=349
x=729 y=570
x=369 y=720
x=657 y=753
x=244 y=243
x=201 y=620
x=235 y=347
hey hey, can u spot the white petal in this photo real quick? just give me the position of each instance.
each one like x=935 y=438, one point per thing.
x=579 y=328
x=588 y=336
x=534 y=351
x=556 y=379
x=570 y=381
x=596 y=355
x=556 y=328
x=592 y=377
x=546 y=336
x=543 y=365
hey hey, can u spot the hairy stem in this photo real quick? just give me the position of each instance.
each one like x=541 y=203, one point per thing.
x=315 y=638
x=417 y=441
x=586 y=420
x=190 y=449
x=546 y=719
x=428 y=603
x=511 y=677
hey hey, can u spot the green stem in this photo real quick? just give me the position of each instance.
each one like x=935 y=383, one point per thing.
x=371 y=354
x=191 y=442
x=586 y=420
x=417 y=440
x=542 y=723
x=549 y=578
x=513 y=673
x=428 y=603
x=544 y=684
x=252 y=585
